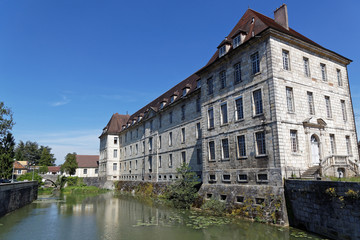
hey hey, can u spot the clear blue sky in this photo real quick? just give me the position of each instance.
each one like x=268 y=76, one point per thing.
x=67 y=66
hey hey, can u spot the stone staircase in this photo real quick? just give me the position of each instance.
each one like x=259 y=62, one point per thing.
x=311 y=172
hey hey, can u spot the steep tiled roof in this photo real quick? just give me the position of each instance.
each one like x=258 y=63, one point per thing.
x=87 y=161
x=18 y=166
x=115 y=124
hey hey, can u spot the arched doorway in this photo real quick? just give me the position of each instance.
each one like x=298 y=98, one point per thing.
x=315 y=152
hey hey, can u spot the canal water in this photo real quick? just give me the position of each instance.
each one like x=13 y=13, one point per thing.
x=114 y=216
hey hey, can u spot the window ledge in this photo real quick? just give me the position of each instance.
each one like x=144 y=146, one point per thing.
x=242 y=158
x=296 y=154
x=212 y=160
x=211 y=128
x=224 y=124
x=258 y=115
x=242 y=181
x=239 y=120
x=261 y=156
x=256 y=74
x=292 y=113
x=225 y=159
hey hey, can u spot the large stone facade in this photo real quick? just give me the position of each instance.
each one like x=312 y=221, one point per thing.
x=269 y=105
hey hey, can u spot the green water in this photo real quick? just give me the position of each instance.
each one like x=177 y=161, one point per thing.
x=111 y=216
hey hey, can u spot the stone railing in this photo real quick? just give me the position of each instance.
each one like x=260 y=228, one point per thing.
x=339 y=160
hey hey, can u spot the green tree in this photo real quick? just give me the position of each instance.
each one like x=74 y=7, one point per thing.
x=70 y=164
x=31 y=176
x=46 y=158
x=6 y=120
x=7 y=145
x=43 y=169
x=182 y=193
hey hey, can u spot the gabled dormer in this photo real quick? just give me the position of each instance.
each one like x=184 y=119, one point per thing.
x=173 y=98
x=224 y=47
x=185 y=91
x=238 y=38
x=162 y=104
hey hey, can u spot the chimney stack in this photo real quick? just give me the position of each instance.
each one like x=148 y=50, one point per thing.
x=281 y=16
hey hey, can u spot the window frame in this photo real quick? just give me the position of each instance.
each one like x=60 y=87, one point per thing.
x=286 y=59
x=306 y=62
x=290 y=99
x=224 y=115
x=225 y=149
x=211 y=119
x=222 y=78
x=323 y=72
x=211 y=151
x=311 y=105
x=241 y=150
x=257 y=103
x=255 y=63
x=294 y=142
x=260 y=143
x=237 y=73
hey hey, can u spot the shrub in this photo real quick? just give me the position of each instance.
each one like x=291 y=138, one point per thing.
x=217 y=207
x=29 y=176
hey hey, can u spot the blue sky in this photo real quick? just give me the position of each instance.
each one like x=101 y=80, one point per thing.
x=67 y=66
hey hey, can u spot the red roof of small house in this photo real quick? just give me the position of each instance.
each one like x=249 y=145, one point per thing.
x=18 y=166
x=54 y=169
x=87 y=161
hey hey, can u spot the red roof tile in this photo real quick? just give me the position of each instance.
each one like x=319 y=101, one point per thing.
x=87 y=161
x=54 y=169
x=18 y=166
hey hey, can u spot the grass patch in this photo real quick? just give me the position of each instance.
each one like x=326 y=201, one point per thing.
x=348 y=179
x=83 y=190
x=45 y=191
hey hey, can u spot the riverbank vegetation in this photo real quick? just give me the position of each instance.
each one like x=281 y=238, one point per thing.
x=346 y=179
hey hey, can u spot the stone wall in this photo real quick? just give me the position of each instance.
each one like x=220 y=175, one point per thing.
x=328 y=208
x=16 y=195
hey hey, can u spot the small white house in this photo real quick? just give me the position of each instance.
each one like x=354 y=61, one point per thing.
x=88 y=165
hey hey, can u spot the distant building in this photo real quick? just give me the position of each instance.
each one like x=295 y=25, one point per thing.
x=269 y=105
x=88 y=165
x=54 y=170
x=20 y=168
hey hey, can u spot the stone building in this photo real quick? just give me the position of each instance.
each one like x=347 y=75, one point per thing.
x=88 y=166
x=270 y=104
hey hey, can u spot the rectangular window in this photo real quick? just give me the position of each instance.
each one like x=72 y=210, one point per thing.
x=198 y=105
x=114 y=166
x=182 y=112
x=339 y=78
x=130 y=150
x=212 y=150
x=222 y=77
x=159 y=162
x=150 y=163
x=332 y=144
x=237 y=73
x=183 y=157
x=222 y=51
x=236 y=41
x=137 y=149
x=323 y=72
x=150 y=144
x=343 y=109
x=143 y=146
x=170 y=160
x=306 y=67
x=198 y=156
x=96 y=170
x=115 y=140
x=130 y=165
x=210 y=118
x=286 y=62
x=239 y=109
x=115 y=153
x=242 y=178
x=290 y=99
x=210 y=86
x=255 y=63
x=170 y=117
x=241 y=147
x=348 y=145
x=311 y=103
x=225 y=148
x=198 y=131
x=170 y=139
x=328 y=107
x=258 y=107
x=260 y=143
x=159 y=142
x=198 y=84
x=182 y=135
x=294 y=141
x=85 y=171
x=224 y=116
x=136 y=164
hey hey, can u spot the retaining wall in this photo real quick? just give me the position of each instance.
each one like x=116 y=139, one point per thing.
x=328 y=208
x=16 y=195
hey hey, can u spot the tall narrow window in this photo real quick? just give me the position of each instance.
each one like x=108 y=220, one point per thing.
x=211 y=150
x=239 y=111
x=211 y=118
x=115 y=153
x=222 y=51
x=285 y=57
x=343 y=109
x=198 y=131
x=170 y=138
x=224 y=117
x=306 y=67
x=198 y=156
x=136 y=164
x=328 y=107
x=236 y=41
x=150 y=162
x=258 y=107
x=170 y=160
x=323 y=72
x=255 y=63
x=136 y=149
x=339 y=78
x=159 y=160
x=130 y=165
x=143 y=146
x=170 y=117
x=182 y=112
x=290 y=99
x=260 y=143
x=182 y=135
x=198 y=83
x=348 y=145
x=150 y=144
x=159 y=142
x=183 y=157
x=311 y=103
x=115 y=140
x=332 y=144
x=225 y=148
x=114 y=166
x=222 y=77
x=210 y=86
x=198 y=105
x=294 y=141
x=237 y=72
x=130 y=150
x=241 y=147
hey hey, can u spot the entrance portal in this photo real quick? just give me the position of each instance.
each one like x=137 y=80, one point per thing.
x=315 y=156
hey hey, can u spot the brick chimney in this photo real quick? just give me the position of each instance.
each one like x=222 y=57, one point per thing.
x=281 y=16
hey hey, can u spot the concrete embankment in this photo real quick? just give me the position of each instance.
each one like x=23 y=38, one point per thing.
x=16 y=195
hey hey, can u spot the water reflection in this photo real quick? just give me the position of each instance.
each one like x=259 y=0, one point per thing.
x=109 y=216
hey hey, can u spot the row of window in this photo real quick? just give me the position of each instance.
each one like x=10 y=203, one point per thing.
x=238 y=199
x=240 y=178
x=85 y=171
x=260 y=147
x=286 y=66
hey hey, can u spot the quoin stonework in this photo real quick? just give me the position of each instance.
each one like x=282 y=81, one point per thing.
x=270 y=104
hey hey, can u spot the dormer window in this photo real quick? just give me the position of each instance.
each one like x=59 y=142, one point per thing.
x=133 y=122
x=198 y=84
x=128 y=125
x=185 y=91
x=222 y=51
x=162 y=104
x=139 y=119
x=172 y=99
x=123 y=127
x=237 y=41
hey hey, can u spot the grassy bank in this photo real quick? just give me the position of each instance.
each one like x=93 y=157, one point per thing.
x=348 y=179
